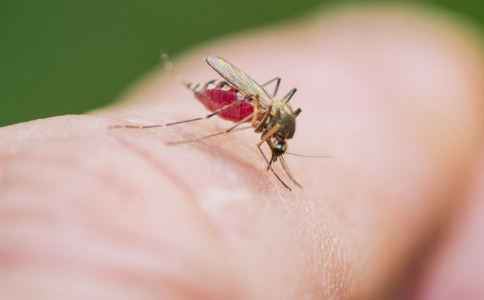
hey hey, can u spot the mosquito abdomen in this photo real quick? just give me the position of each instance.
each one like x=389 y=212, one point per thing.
x=214 y=97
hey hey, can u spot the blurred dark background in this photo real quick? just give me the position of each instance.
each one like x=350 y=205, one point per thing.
x=59 y=57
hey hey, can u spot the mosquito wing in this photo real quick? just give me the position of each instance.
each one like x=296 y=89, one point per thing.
x=239 y=79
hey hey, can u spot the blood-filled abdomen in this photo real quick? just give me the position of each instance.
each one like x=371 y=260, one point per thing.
x=215 y=97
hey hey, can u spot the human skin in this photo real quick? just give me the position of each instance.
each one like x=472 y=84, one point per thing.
x=393 y=95
x=454 y=270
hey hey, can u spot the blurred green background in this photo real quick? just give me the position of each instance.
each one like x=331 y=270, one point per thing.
x=59 y=57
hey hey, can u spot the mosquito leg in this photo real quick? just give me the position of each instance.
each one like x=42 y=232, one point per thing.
x=242 y=128
x=289 y=95
x=286 y=169
x=262 y=120
x=257 y=124
x=270 y=132
x=276 y=88
x=271 y=146
x=214 y=134
x=255 y=105
x=262 y=152
x=178 y=122
x=272 y=170
x=266 y=138
x=280 y=180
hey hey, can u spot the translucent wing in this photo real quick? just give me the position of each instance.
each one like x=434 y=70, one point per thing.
x=239 y=79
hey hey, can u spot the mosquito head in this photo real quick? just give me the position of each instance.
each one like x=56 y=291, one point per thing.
x=280 y=147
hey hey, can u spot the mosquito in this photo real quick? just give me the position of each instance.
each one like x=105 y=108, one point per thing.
x=240 y=99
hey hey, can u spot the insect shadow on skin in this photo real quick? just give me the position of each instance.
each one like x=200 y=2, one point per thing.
x=240 y=99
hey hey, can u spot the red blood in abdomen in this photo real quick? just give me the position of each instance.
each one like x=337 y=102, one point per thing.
x=216 y=98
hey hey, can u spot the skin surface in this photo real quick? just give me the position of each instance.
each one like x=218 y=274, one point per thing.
x=393 y=95
x=455 y=268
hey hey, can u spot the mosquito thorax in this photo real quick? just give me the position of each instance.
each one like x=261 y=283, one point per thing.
x=283 y=116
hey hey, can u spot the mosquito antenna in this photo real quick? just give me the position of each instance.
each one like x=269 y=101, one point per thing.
x=308 y=156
